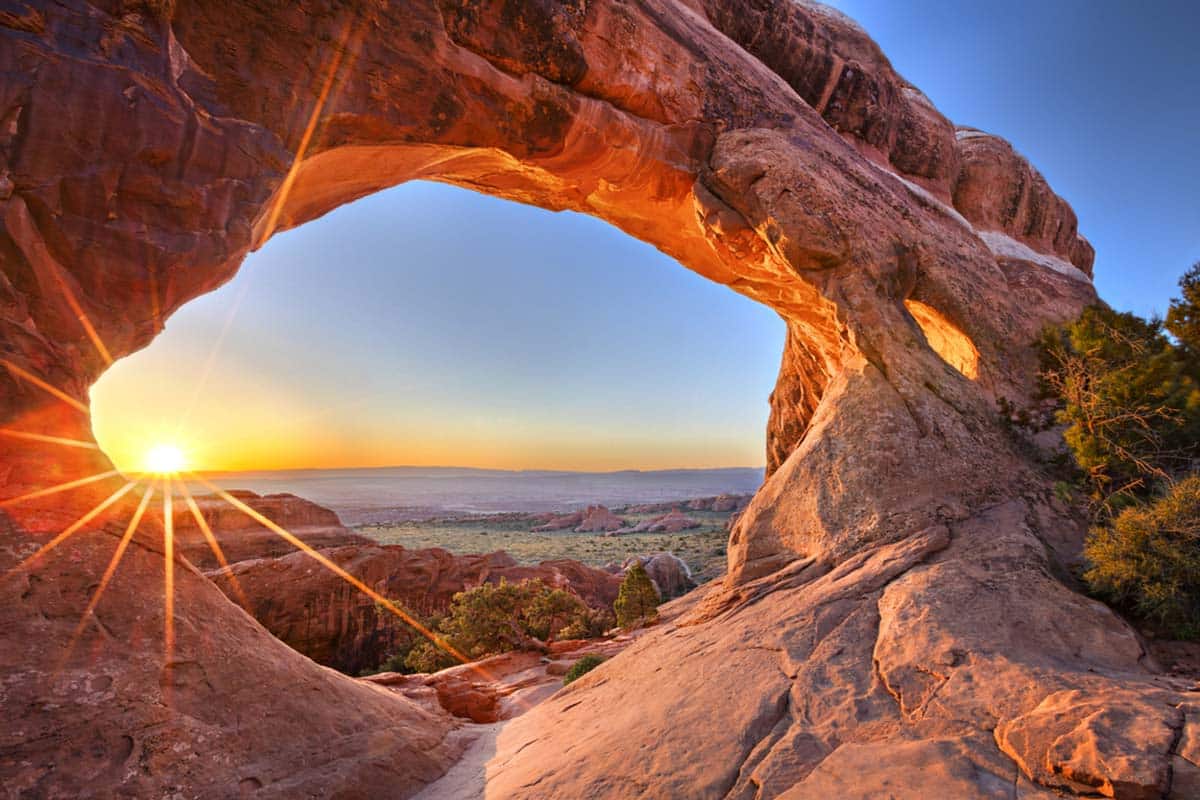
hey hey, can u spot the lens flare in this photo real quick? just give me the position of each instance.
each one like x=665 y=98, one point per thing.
x=164 y=459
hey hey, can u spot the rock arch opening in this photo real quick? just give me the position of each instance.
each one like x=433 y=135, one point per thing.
x=428 y=325
x=946 y=339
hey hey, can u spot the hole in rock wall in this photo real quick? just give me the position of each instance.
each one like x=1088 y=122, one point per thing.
x=954 y=346
x=429 y=325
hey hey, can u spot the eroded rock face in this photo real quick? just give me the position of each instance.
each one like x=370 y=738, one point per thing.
x=998 y=190
x=331 y=622
x=889 y=597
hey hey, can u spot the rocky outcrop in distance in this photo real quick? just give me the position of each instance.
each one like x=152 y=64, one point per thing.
x=242 y=538
x=673 y=522
x=721 y=503
x=894 y=616
x=593 y=519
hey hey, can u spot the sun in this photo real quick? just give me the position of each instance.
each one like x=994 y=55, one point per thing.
x=164 y=458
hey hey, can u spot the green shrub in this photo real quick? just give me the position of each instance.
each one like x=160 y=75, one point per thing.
x=1183 y=316
x=582 y=667
x=637 y=600
x=1148 y=559
x=1129 y=400
x=592 y=624
x=497 y=618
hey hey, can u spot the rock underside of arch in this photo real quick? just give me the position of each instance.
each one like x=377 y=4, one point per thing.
x=898 y=613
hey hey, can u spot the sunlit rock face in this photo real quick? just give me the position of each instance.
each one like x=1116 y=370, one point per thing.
x=891 y=616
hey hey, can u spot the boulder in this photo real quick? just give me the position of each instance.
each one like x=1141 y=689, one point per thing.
x=500 y=687
x=674 y=522
x=668 y=572
x=729 y=502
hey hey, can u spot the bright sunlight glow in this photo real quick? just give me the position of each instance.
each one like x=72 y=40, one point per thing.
x=164 y=458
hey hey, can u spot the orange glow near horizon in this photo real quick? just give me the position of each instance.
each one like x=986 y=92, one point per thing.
x=164 y=458
x=253 y=428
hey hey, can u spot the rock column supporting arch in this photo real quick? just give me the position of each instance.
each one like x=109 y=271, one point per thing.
x=891 y=589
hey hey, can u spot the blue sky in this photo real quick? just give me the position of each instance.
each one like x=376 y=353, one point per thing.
x=429 y=325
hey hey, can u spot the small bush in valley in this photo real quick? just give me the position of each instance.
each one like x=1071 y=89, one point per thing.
x=582 y=667
x=497 y=618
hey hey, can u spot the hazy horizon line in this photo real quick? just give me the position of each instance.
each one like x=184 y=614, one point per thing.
x=477 y=469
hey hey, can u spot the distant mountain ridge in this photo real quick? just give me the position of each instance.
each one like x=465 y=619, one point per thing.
x=389 y=494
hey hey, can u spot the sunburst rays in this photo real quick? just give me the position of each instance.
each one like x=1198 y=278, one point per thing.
x=213 y=544
x=167 y=482
x=111 y=570
x=349 y=39
x=168 y=512
x=59 y=487
x=74 y=527
x=47 y=439
x=29 y=377
x=85 y=322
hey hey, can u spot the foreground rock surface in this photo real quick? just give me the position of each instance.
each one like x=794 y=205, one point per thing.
x=333 y=623
x=893 y=621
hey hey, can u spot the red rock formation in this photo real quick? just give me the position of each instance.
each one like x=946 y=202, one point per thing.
x=242 y=538
x=331 y=622
x=597 y=519
x=889 y=616
x=672 y=522
x=559 y=522
x=593 y=519
x=719 y=503
x=729 y=502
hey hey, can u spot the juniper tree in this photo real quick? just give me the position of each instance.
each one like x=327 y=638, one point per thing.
x=637 y=599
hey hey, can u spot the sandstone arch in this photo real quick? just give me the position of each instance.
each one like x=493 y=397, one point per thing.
x=892 y=582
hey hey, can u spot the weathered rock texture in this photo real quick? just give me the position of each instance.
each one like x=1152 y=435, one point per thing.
x=891 y=622
x=335 y=624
